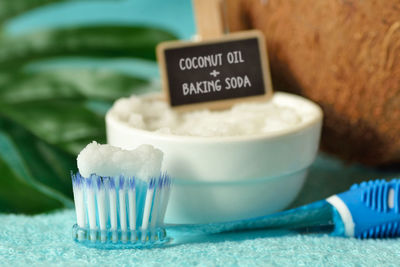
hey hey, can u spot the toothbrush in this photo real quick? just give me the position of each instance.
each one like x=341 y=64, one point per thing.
x=368 y=210
x=119 y=209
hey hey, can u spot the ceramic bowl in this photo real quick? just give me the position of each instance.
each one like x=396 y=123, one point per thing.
x=230 y=178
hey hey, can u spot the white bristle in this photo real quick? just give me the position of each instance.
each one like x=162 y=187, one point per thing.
x=102 y=208
x=79 y=206
x=122 y=209
x=91 y=207
x=79 y=203
x=113 y=211
x=132 y=208
x=147 y=205
x=101 y=204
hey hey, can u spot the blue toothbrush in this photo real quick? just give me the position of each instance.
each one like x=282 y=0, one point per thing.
x=368 y=210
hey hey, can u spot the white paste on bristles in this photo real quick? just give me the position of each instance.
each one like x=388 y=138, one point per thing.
x=251 y=118
x=143 y=162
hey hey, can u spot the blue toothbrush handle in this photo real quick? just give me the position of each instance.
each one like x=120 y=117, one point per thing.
x=370 y=209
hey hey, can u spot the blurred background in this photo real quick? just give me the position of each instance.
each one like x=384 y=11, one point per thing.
x=62 y=64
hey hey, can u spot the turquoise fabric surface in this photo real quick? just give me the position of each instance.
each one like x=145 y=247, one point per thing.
x=44 y=240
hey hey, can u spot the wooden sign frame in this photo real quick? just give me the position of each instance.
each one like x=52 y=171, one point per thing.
x=225 y=103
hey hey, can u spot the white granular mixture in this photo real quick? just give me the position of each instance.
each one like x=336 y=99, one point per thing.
x=105 y=160
x=251 y=118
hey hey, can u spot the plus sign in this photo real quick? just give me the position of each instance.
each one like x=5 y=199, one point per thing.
x=214 y=73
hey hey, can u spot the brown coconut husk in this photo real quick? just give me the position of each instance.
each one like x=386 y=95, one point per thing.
x=344 y=55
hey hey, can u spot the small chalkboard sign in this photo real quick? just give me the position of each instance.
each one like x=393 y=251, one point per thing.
x=215 y=73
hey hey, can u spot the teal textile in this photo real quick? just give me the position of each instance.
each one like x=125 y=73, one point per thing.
x=46 y=239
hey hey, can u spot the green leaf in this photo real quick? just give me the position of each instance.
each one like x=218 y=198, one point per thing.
x=47 y=163
x=33 y=177
x=17 y=196
x=62 y=122
x=65 y=108
x=73 y=83
x=93 y=41
x=47 y=117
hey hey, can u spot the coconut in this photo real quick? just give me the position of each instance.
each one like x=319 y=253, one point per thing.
x=344 y=55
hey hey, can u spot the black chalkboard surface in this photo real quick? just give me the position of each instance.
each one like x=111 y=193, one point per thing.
x=215 y=73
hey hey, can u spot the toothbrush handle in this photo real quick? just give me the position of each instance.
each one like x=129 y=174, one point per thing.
x=317 y=215
x=370 y=209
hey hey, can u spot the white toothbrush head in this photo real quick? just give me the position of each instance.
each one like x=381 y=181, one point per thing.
x=119 y=200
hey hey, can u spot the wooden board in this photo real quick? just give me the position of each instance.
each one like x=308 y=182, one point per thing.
x=215 y=73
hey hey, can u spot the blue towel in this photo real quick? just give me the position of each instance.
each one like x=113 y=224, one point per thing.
x=47 y=239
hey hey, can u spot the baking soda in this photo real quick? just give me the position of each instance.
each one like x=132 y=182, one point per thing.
x=143 y=162
x=248 y=118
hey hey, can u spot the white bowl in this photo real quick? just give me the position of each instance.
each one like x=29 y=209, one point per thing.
x=230 y=178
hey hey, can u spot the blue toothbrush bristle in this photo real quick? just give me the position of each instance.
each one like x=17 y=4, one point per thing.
x=89 y=181
x=152 y=183
x=120 y=199
x=77 y=180
x=112 y=183
x=132 y=183
x=121 y=182
x=73 y=177
x=99 y=182
x=160 y=182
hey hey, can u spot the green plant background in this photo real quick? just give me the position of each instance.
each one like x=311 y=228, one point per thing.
x=47 y=114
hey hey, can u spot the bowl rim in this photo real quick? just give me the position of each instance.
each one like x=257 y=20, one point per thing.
x=112 y=122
